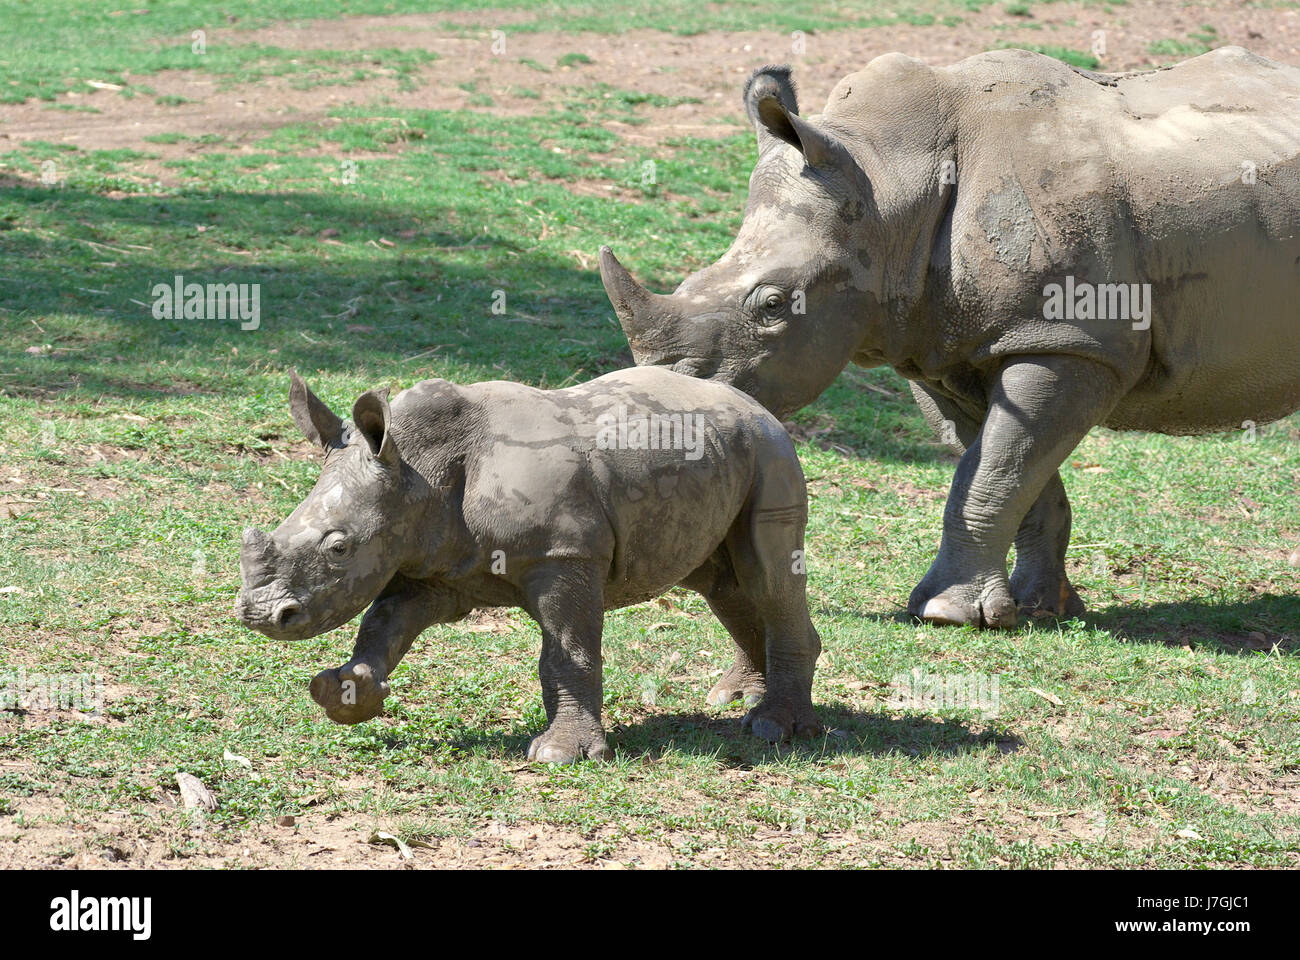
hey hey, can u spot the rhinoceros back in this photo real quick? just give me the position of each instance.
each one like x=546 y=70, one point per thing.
x=644 y=467
x=1182 y=185
x=675 y=460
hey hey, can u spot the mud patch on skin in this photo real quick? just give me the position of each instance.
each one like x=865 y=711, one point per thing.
x=1009 y=224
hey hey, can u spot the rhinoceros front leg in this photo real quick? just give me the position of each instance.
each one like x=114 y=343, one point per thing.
x=1039 y=410
x=1039 y=583
x=356 y=691
x=566 y=600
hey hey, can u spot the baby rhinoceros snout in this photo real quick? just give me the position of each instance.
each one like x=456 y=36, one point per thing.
x=276 y=617
x=264 y=604
x=284 y=612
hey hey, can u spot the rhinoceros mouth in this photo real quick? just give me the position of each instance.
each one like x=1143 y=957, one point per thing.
x=276 y=614
x=701 y=368
x=716 y=369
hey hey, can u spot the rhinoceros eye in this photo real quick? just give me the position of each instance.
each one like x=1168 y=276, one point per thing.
x=336 y=546
x=769 y=305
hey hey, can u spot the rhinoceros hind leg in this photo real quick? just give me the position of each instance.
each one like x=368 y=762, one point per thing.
x=1039 y=582
x=739 y=682
x=772 y=628
x=1049 y=598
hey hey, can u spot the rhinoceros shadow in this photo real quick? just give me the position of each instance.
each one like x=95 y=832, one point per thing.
x=718 y=735
x=1263 y=625
x=848 y=731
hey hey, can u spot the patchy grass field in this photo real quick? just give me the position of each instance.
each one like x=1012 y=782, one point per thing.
x=386 y=186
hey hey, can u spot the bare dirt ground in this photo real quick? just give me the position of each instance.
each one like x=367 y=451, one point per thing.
x=710 y=67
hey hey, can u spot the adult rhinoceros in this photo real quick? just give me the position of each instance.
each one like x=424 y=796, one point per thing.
x=1037 y=249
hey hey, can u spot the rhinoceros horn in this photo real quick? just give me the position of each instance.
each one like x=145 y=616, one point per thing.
x=637 y=308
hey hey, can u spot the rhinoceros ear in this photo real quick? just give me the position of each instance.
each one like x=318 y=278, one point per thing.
x=769 y=99
x=773 y=108
x=373 y=417
x=318 y=422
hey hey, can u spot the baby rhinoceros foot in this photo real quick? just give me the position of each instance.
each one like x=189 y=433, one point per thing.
x=569 y=743
x=777 y=719
x=738 y=683
x=351 y=693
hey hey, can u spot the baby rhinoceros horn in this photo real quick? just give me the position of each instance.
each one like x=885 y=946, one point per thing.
x=256 y=551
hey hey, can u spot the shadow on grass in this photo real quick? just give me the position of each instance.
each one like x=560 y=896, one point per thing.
x=1265 y=624
x=847 y=732
x=332 y=299
x=720 y=736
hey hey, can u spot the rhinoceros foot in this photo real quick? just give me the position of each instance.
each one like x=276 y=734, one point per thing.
x=1048 y=598
x=776 y=719
x=960 y=604
x=569 y=743
x=351 y=693
x=739 y=682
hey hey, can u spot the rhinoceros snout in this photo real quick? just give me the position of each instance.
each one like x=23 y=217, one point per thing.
x=271 y=612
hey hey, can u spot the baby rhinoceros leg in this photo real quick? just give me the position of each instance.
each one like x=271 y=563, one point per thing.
x=766 y=551
x=355 y=692
x=352 y=693
x=566 y=600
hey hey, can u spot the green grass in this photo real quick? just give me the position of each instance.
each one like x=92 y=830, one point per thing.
x=1195 y=44
x=1158 y=732
x=1075 y=58
x=111 y=40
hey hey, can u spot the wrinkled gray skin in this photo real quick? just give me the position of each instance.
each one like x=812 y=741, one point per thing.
x=1129 y=179
x=419 y=504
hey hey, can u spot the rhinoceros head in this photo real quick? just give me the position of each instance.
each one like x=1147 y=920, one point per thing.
x=780 y=314
x=341 y=546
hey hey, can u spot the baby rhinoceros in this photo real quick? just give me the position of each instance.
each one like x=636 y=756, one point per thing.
x=566 y=503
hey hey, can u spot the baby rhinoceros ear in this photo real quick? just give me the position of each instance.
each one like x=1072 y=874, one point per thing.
x=372 y=418
x=318 y=422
